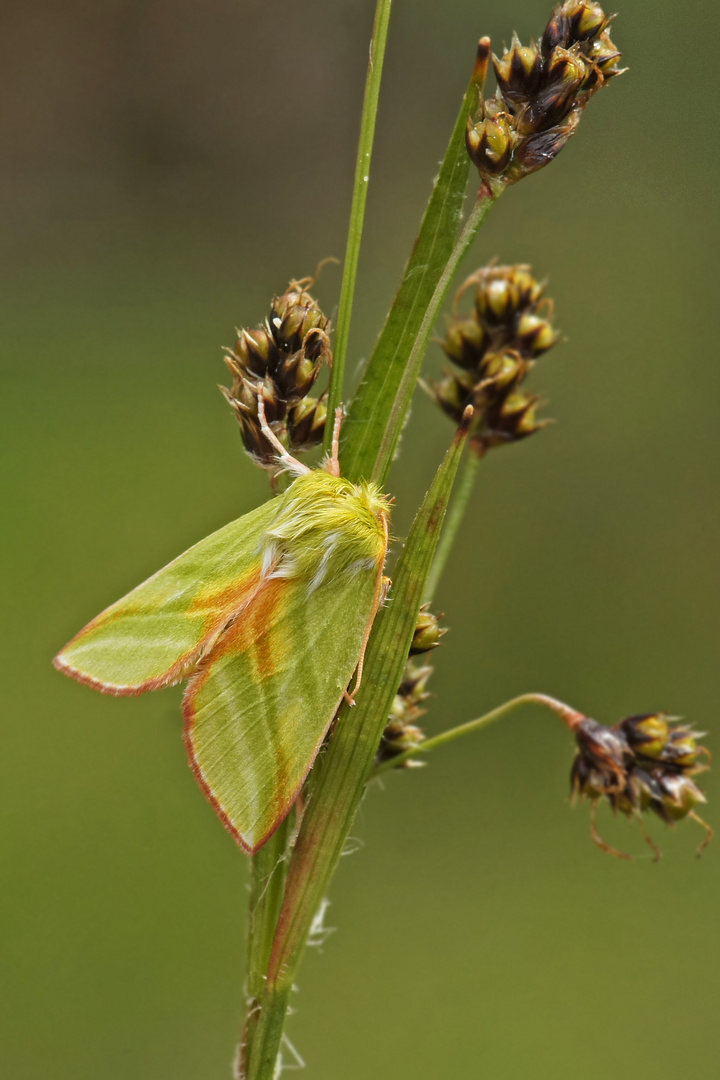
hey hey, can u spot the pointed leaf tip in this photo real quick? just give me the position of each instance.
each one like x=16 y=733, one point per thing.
x=482 y=60
x=466 y=421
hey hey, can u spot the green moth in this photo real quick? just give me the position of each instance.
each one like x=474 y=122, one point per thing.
x=268 y=619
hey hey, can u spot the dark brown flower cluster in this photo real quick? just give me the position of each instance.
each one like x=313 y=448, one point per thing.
x=281 y=360
x=494 y=350
x=542 y=91
x=402 y=732
x=643 y=763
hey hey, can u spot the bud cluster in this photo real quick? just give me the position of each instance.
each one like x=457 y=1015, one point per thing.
x=494 y=350
x=645 y=762
x=542 y=91
x=281 y=360
x=402 y=732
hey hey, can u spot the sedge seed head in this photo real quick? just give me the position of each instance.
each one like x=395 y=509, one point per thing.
x=494 y=351
x=644 y=763
x=281 y=360
x=542 y=91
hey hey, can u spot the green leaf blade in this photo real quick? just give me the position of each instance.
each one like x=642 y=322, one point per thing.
x=371 y=410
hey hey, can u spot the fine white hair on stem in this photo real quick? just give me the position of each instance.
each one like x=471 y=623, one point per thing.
x=351 y=845
x=319 y=932
x=294 y=1064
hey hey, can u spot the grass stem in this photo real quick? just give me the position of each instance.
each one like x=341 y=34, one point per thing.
x=454 y=520
x=357 y=211
x=566 y=713
x=267 y=888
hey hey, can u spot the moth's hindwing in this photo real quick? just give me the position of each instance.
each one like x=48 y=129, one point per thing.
x=263 y=699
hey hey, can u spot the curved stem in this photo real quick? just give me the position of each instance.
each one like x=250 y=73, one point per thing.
x=456 y=513
x=571 y=717
x=357 y=212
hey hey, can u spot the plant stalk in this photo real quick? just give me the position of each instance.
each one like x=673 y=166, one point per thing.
x=569 y=716
x=455 y=517
x=357 y=211
x=267 y=887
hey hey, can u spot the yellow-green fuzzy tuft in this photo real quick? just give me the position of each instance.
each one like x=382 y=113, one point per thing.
x=326 y=525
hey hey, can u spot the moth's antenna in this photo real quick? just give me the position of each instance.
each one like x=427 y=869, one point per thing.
x=333 y=462
x=287 y=459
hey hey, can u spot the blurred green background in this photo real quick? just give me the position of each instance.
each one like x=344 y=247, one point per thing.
x=166 y=168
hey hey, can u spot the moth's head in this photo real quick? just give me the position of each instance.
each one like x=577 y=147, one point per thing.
x=320 y=513
x=371 y=495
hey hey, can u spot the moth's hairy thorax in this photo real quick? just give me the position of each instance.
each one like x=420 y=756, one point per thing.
x=326 y=526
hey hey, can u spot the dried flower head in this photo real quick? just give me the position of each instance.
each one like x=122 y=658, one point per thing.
x=645 y=762
x=281 y=361
x=495 y=350
x=542 y=90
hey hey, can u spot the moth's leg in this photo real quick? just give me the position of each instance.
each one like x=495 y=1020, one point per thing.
x=382 y=588
x=286 y=459
x=332 y=465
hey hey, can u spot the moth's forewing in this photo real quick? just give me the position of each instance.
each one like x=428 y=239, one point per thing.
x=259 y=707
x=154 y=636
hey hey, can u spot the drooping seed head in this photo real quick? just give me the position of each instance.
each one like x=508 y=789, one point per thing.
x=645 y=762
